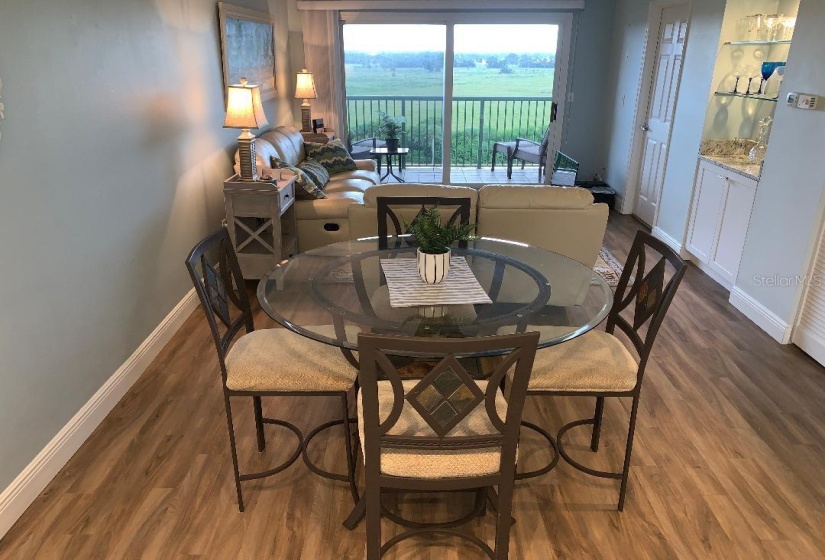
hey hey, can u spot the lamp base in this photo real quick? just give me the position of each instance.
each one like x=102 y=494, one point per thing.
x=306 y=117
x=246 y=156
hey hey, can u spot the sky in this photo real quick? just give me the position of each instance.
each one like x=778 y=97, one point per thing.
x=481 y=39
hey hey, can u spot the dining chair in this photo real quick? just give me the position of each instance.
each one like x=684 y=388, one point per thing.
x=598 y=364
x=443 y=432
x=266 y=362
x=391 y=209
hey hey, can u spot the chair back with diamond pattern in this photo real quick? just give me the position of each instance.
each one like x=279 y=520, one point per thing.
x=213 y=267
x=463 y=413
x=646 y=289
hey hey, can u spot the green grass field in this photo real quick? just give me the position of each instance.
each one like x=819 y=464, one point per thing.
x=468 y=82
x=472 y=135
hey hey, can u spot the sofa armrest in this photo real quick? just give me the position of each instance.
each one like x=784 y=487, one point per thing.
x=367 y=165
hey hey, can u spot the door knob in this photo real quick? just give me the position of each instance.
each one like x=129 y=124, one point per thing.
x=645 y=128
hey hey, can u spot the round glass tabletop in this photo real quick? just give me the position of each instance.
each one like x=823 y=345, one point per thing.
x=332 y=293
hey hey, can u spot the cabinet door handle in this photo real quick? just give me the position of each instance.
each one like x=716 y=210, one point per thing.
x=722 y=177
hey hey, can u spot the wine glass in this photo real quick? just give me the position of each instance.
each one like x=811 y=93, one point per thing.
x=768 y=69
x=738 y=75
x=750 y=72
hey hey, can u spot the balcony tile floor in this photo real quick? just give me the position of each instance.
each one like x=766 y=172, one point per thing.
x=468 y=175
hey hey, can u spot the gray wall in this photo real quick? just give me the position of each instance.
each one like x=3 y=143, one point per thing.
x=111 y=161
x=585 y=124
x=788 y=211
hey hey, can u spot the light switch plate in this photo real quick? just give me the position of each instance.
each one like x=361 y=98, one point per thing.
x=803 y=101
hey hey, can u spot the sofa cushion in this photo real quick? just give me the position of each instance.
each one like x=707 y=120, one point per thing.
x=333 y=156
x=335 y=205
x=533 y=196
x=364 y=174
x=346 y=185
x=288 y=142
x=317 y=172
x=307 y=189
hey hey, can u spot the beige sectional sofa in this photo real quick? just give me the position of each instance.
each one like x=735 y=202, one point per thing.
x=560 y=219
x=322 y=221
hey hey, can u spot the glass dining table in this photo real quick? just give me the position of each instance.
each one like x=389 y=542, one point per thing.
x=332 y=293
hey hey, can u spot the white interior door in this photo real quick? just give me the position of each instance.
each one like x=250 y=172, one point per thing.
x=664 y=87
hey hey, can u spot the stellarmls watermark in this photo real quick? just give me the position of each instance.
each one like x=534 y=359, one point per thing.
x=781 y=281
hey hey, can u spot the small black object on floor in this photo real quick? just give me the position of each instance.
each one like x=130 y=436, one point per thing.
x=602 y=192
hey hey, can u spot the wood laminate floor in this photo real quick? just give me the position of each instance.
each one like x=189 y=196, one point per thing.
x=728 y=463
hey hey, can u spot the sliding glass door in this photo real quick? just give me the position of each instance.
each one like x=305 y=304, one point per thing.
x=503 y=79
x=464 y=92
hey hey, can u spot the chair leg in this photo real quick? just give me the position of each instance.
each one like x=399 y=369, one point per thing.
x=597 y=424
x=628 y=450
x=349 y=447
x=503 y=519
x=493 y=164
x=509 y=167
x=373 y=502
x=234 y=451
x=259 y=422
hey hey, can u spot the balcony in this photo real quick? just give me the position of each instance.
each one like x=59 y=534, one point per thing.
x=477 y=123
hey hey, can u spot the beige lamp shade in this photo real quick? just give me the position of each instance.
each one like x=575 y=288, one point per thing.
x=243 y=106
x=305 y=86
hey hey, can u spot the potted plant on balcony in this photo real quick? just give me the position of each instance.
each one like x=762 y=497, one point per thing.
x=390 y=128
x=434 y=239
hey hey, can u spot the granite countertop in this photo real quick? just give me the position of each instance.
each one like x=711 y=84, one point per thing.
x=737 y=163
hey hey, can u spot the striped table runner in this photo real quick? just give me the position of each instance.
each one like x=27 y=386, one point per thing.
x=408 y=290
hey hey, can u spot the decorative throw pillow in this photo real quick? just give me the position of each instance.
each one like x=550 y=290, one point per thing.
x=333 y=156
x=307 y=189
x=316 y=172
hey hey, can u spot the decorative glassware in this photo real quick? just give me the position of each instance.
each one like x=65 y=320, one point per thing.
x=768 y=69
x=772 y=24
x=758 y=152
x=756 y=28
x=785 y=33
x=740 y=70
x=751 y=71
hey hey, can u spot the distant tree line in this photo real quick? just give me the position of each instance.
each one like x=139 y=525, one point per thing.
x=434 y=61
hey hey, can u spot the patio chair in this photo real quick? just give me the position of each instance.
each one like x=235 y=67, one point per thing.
x=361 y=148
x=529 y=151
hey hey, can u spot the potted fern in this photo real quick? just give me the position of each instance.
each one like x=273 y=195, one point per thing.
x=390 y=128
x=434 y=239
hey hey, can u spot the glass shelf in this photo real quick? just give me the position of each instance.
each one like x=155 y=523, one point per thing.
x=788 y=42
x=754 y=96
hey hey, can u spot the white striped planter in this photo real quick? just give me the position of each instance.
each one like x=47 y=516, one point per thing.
x=433 y=269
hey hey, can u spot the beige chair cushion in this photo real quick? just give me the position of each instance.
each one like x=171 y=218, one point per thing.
x=593 y=362
x=280 y=360
x=362 y=174
x=429 y=464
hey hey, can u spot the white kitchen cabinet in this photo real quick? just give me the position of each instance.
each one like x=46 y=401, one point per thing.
x=722 y=204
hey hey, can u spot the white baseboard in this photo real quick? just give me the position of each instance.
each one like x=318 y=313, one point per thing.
x=727 y=284
x=36 y=476
x=764 y=318
x=671 y=242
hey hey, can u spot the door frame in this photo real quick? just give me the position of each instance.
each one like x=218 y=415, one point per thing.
x=644 y=93
x=561 y=75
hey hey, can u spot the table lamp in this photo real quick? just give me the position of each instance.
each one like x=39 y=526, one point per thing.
x=305 y=89
x=244 y=111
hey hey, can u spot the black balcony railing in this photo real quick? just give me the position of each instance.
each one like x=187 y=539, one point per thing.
x=477 y=123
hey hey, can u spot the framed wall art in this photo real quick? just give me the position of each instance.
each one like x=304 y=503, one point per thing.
x=247 y=47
